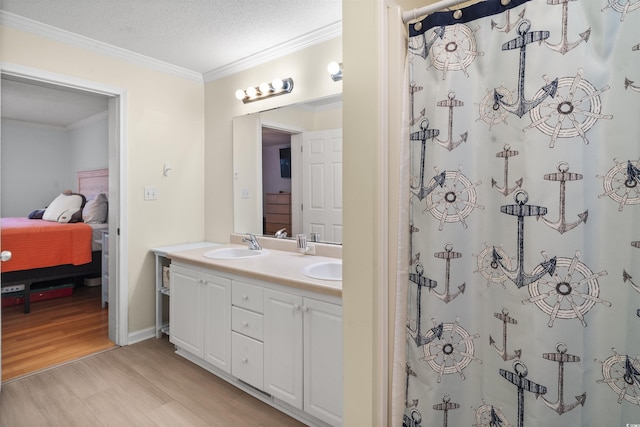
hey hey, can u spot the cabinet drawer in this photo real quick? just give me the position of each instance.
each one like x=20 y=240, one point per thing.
x=247 y=296
x=247 y=323
x=278 y=218
x=247 y=359
x=278 y=198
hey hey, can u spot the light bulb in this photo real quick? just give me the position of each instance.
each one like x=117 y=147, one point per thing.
x=277 y=84
x=240 y=94
x=264 y=88
x=251 y=92
x=333 y=68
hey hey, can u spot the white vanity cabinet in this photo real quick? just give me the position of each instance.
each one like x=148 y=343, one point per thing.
x=303 y=354
x=282 y=341
x=200 y=308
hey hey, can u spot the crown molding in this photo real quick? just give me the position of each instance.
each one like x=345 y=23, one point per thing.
x=57 y=34
x=325 y=33
x=53 y=33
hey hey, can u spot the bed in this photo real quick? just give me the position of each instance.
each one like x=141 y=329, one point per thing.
x=46 y=250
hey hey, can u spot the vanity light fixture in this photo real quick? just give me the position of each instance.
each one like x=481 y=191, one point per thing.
x=335 y=69
x=265 y=90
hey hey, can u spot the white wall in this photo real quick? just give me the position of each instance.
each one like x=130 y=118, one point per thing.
x=35 y=161
x=89 y=143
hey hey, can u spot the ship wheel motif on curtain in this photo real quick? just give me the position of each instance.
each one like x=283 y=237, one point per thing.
x=622 y=374
x=570 y=293
x=572 y=111
x=489 y=268
x=622 y=183
x=622 y=7
x=452 y=351
x=454 y=49
x=453 y=200
x=489 y=111
x=490 y=416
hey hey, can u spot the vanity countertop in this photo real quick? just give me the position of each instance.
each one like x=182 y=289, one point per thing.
x=277 y=266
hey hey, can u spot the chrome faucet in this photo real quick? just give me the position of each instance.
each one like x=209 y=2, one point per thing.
x=281 y=234
x=253 y=242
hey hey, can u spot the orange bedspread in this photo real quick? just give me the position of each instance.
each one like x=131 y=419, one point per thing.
x=35 y=243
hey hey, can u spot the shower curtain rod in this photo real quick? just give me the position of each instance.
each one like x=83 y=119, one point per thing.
x=426 y=10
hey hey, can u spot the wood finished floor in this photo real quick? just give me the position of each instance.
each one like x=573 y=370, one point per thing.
x=56 y=331
x=144 y=384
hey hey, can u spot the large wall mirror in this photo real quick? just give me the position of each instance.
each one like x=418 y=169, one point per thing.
x=287 y=165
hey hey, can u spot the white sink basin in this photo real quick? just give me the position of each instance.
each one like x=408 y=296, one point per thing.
x=232 y=253
x=330 y=270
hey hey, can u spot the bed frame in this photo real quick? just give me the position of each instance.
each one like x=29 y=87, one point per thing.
x=90 y=183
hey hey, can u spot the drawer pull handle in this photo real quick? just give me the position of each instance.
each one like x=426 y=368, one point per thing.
x=304 y=308
x=296 y=307
x=244 y=359
x=244 y=297
x=245 y=324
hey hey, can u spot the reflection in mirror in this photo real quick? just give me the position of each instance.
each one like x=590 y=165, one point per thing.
x=288 y=171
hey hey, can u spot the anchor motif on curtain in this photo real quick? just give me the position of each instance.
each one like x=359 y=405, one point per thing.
x=622 y=374
x=506 y=320
x=420 y=190
x=436 y=332
x=518 y=276
x=413 y=88
x=562 y=176
x=446 y=406
x=451 y=102
x=410 y=373
x=564 y=45
x=521 y=106
x=629 y=83
x=505 y=189
x=518 y=379
x=562 y=357
x=508 y=24
x=448 y=255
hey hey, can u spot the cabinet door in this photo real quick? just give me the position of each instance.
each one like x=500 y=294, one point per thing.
x=283 y=346
x=186 y=309
x=217 y=329
x=323 y=361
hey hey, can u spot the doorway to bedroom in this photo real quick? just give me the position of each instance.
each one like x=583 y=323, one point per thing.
x=54 y=132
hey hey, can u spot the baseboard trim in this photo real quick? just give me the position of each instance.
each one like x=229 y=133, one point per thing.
x=141 y=335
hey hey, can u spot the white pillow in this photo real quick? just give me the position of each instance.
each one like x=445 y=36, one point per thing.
x=63 y=207
x=96 y=210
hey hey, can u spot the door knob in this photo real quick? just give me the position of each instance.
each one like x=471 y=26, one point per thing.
x=5 y=256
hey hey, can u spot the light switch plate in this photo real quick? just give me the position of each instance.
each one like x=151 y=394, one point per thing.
x=150 y=193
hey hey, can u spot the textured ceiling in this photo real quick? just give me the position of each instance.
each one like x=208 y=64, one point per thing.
x=198 y=35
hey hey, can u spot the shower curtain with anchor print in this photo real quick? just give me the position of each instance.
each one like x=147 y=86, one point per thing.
x=522 y=278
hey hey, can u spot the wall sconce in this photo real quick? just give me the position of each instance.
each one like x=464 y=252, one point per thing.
x=265 y=90
x=335 y=69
